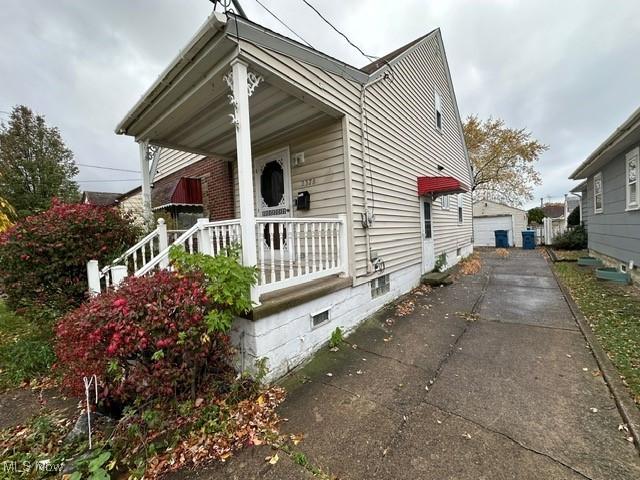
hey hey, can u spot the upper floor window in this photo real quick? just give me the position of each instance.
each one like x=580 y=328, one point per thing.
x=597 y=193
x=444 y=202
x=633 y=159
x=460 y=205
x=438 y=108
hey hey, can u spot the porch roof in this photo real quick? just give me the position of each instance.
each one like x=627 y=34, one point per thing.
x=440 y=186
x=188 y=108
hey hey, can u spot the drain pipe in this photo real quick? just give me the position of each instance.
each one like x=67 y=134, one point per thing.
x=368 y=218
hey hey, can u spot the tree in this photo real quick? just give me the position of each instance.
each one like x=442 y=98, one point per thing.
x=6 y=215
x=35 y=164
x=503 y=160
x=535 y=215
x=574 y=217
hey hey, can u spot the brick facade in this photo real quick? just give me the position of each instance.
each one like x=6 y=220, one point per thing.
x=217 y=186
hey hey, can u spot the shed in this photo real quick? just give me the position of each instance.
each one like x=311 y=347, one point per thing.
x=489 y=216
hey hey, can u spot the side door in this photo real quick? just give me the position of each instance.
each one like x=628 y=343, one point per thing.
x=428 y=249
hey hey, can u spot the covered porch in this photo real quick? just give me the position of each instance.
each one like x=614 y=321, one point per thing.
x=216 y=101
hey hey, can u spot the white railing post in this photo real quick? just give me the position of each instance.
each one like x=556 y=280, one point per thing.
x=163 y=241
x=118 y=274
x=343 y=245
x=245 y=165
x=93 y=277
x=204 y=242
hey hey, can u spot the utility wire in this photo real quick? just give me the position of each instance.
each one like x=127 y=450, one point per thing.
x=369 y=57
x=112 y=180
x=282 y=23
x=108 y=168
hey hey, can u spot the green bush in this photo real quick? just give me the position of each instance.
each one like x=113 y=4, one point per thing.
x=574 y=217
x=575 y=239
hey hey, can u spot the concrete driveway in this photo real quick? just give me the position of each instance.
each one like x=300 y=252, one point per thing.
x=489 y=378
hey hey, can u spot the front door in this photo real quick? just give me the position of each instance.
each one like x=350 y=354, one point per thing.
x=272 y=176
x=428 y=250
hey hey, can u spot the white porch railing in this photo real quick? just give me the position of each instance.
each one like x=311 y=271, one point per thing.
x=290 y=251
x=297 y=250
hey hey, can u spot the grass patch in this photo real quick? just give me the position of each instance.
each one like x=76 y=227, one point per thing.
x=570 y=255
x=25 y=349
x=613 y=312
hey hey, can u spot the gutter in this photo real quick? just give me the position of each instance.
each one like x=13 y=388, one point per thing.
x=215 y=21
x=611 y=139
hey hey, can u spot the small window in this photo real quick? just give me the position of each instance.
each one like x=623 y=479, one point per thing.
x=444 y=202
x=460 y=205
x=319 y=318
x=633 y=158
x=427 y=220
x=438 y=108
x=597 y=193
x=380 y=286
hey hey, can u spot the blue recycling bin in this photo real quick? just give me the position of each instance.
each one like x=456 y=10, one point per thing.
x=502 y=238
x=528 y=239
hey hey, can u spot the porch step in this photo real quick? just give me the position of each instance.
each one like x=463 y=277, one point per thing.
x=436 y=279
x=279 y=300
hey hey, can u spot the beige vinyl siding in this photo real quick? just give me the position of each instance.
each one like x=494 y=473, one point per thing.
x=171 y=161
x=133 y=206
x=321 y=174
x=403 y=143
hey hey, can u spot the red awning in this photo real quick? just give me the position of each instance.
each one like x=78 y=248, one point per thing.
x=440 y=186
x=188 y=191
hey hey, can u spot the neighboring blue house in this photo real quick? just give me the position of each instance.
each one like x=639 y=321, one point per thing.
x=611 y=196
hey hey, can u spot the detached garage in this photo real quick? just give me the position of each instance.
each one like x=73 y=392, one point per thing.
x=490 y=216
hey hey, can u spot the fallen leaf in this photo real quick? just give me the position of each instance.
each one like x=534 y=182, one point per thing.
x=467 y=436
x=359 y=372
x=329 y=374
x=199 y=402
x=593 y=410
x=273 y=459
x=296 y=439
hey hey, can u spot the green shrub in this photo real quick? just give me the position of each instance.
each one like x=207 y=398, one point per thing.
x=574 y=217
x=43 y=257
x=575 y=239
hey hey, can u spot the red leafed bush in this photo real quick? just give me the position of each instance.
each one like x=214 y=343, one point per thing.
x=149 y=339
x=43 y=257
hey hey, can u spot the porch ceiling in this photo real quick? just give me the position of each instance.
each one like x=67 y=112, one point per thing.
x=201 y=121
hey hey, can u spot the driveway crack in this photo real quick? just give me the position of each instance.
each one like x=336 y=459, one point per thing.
x=509 y=437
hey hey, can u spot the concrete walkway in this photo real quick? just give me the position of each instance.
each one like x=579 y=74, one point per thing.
x=489 y=378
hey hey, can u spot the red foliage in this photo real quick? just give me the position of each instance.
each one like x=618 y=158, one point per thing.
x=43 y=257
x=148 y=339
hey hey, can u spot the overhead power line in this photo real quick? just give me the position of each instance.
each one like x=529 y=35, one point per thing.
x=108 y=168
x=370 y=57
x=282 y=23
x=111 y=180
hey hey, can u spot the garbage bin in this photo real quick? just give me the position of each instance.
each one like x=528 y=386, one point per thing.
x=502 y=238
x=528 y=239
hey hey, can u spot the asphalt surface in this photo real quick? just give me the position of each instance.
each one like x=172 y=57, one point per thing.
x=489 y=378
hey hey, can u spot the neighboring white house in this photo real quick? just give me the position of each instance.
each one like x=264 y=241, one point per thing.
x=489 y=216
x=348 y=183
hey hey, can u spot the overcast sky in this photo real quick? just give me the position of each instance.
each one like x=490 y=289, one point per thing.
x=567 y=70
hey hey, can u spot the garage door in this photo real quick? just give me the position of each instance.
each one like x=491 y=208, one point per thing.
x=483 y=228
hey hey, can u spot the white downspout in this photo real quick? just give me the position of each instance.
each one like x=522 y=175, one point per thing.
x=368 y=218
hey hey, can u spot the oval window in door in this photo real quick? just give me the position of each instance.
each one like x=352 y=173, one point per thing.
x=272 y=184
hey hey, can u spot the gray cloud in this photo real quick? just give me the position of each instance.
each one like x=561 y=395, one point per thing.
x=568 y=71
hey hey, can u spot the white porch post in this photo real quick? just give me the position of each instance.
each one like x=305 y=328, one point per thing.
x=245 y=165
x=163 y=241
x=146 y=184
x=93 y=277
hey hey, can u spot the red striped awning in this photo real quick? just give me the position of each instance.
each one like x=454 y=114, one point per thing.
x=440 y=186
x=188 y=191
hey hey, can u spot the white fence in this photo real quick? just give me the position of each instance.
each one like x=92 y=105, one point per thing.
x=290 y=251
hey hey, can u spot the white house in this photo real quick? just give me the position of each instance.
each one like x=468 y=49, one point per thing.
x=348 y=183
x=489 y=216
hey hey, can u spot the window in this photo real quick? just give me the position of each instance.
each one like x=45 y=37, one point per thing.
x=427 y=220
x=597 y=193
x=460 y=205
x=444 y=202
x=438 y=107
x=633 y=200
x=319 y=318
x=380 y=286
